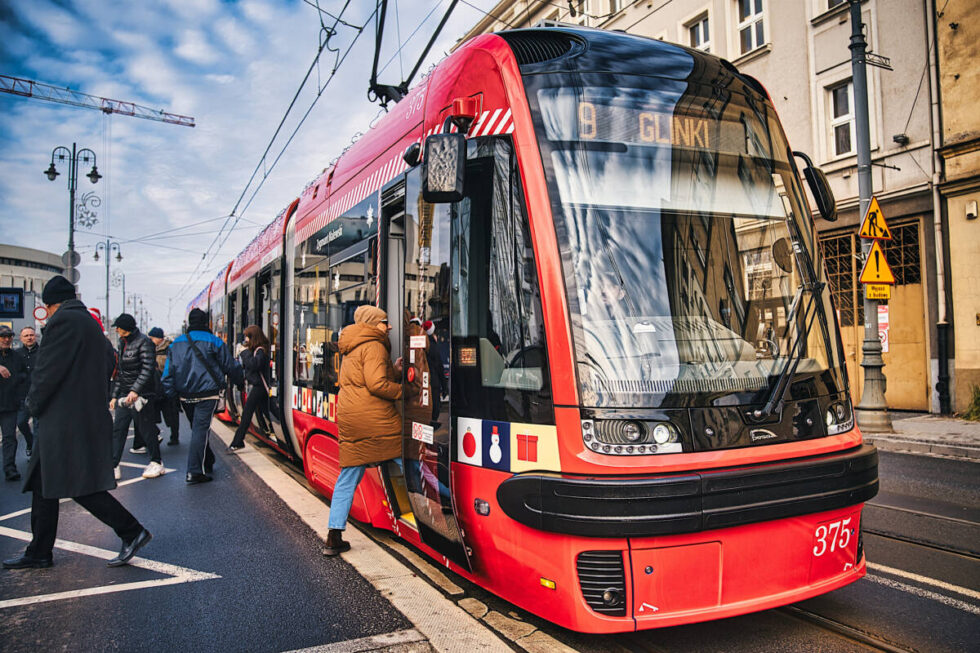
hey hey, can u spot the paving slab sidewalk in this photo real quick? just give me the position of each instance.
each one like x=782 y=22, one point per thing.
x=930 y=435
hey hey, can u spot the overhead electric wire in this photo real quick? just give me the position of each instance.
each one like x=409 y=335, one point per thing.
x=487 y=13
x=262 y=160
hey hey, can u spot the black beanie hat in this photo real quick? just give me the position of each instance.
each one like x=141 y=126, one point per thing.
x=57 y=290
x=197 y=320
x=126 y=322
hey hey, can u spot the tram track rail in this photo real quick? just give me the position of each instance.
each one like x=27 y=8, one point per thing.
x=848 y=632
x=641 y=640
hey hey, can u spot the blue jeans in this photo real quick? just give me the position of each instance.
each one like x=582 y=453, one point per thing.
x=200 y=458
x=343 y=495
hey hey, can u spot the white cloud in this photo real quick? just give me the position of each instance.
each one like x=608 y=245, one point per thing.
x=234 y=67
x=194 y=46
x=235 y=36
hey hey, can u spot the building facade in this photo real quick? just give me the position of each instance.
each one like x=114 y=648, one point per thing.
x=957 y=32
x=26 y=268
x=799 y=51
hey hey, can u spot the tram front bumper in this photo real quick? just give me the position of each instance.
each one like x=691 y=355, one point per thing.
x=691 y=502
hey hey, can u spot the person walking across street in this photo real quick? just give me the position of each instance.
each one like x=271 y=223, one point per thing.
x=197 y=363
x=169 y=406
x=255 y=362
x=13 y=378
x=133 y=394
x=73 y=442
x=28 y=351
x=369 y=423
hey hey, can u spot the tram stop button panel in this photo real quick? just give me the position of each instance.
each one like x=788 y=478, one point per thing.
x=675 y=579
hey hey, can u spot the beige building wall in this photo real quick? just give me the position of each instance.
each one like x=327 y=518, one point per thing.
x=803 y=54
x=958 y=46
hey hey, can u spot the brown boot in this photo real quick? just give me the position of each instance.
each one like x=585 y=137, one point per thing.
x=335 y=544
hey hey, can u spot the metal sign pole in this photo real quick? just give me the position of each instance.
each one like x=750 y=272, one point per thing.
x=872 y=411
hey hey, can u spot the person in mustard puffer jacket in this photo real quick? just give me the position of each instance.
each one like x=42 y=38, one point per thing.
x=368 y=421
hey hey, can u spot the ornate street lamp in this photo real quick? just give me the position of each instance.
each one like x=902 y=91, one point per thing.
x=107 y=248
x=72 y=156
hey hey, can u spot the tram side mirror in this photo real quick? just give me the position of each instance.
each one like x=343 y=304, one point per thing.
x=442 y=168
x=820 y=187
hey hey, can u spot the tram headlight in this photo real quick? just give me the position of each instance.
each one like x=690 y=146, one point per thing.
x=839 y=418
x=661 y=434
x=631 y=437
x=632 y=431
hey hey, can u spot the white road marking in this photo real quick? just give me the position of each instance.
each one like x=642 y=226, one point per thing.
x=925 y=580
x=166 y=470
x=177 y=574
x=372 y=643
x=972 y=608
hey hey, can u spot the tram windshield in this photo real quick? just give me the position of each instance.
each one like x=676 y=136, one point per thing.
x=685 y=241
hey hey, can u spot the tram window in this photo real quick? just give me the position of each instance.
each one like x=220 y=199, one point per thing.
x=500 y=356
x=327 y=293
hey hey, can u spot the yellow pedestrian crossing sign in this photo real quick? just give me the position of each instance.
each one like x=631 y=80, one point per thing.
x=876 y=268
x=874 y=225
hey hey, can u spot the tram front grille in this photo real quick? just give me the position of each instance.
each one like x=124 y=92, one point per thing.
x=603 y=581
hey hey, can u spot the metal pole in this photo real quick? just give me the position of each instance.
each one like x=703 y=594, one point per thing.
x=107 y=257
x=872 y=411
x=72 y=165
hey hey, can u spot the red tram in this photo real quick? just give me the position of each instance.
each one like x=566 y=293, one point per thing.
x=625 y=403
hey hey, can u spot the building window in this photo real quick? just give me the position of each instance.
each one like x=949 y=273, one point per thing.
x=616 y=5
x=751 y=29
x=841 y=101
x=700 y=37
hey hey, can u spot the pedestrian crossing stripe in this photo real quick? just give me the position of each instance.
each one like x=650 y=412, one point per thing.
x=874 y=225
x=876 y=268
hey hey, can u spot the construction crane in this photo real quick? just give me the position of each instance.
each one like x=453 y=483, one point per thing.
x=28 y=88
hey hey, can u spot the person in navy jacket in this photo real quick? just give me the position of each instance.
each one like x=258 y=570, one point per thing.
x=198 y=363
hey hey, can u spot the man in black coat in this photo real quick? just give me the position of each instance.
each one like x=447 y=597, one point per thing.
x=133 y=394
x=28 y=338
x=72 y=455
x=13 y=379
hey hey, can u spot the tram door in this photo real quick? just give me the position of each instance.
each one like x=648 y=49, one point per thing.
x=233 y=333
x=426 y=441
x=270 y=422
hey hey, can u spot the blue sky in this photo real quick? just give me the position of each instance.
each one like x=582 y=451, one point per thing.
x=234 y=67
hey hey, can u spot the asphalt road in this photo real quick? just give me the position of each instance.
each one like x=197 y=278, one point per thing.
x=233 y=569
x=247 y=575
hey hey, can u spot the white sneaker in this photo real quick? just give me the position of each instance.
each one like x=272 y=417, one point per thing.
x=137 y=450
x=117 y=473
x=159 y=438
x=153 y=470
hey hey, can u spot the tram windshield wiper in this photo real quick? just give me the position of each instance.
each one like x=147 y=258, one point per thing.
x=777 y=396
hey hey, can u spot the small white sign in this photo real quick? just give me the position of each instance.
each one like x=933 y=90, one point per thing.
x=425 y=379
x=425 y=397
x=883 y=327
x=411 y=356
x=422 y=433
x=417 y=342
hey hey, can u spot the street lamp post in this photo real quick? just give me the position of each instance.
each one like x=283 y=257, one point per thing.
x=119 y=279
x=62 y=154
x=108 y=247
